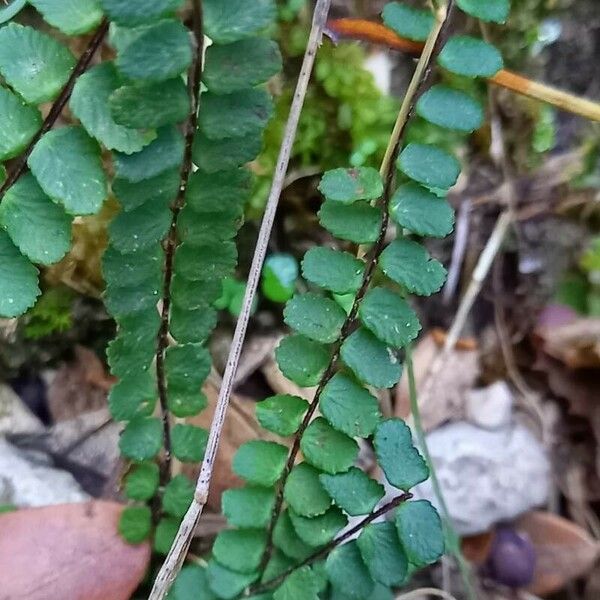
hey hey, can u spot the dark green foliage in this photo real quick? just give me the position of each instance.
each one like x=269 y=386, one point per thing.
x=350 y=326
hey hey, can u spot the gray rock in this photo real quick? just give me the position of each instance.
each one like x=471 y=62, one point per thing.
x=490 y=407
x=26 y=482
x=15 y=417
x=487 y=476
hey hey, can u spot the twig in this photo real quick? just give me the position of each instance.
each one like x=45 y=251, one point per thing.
x=377 y=33
x=263 y=587
x=176 y=555
x=82 y=64
x=162 y=341
x=423 y=593
x=387 y=171
x=461 y=238
x=437 y=488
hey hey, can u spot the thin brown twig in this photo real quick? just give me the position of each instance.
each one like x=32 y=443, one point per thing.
x=263 y=587
x=82 y=64
x=176 y=556
x=387 y=171
x=194 y=80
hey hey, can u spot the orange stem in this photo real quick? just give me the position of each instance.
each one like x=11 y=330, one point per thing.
x=376 y=33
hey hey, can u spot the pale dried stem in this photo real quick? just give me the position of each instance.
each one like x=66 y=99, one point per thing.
x=176 y=556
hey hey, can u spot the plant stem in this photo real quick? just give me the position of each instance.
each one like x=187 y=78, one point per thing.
x=387 y=171
x=170 y=244
x=176 y=556
x=331 y=545
x=376 y=33
x=82 y=64
x=437 y=488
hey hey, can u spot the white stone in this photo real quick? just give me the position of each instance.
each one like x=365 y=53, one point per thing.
x=15 y=416
x=490 y=407
x=24 y=482
x=486 y=476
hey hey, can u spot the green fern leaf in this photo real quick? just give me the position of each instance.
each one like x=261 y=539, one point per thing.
x=471 y=57
x=135 y=524
x=348 y=573
x=422 y=212
x=217 y=155
x=318 y=531
x=19 y=289
x=315 y=317
x=234 y=115
x=371 y=360
x=236 y=19
x=382 y=553
x=156 y=53
x=409 y=264
x=133 y=396
x=420 y=531
x=406 y=21
x=281 y=414
x=389 y=317
x=89 y=103
x=260 y=462
x=301 y=360
x=354 y=491
x=142 y=482
x=151 y=105
x=66 y=163
x=243 y=64
x=72 y=17
x=18 y=124
x=249 y=506
x=349 y=407
x=142 y=439
x=163 y=154
x=191 y=584
x=304 y=493
x=178 y=496
x=336 y=271
x=287 y=540
x=39 y=228
x=429 y=165
x=328 y=449
x=401 y=462
x=138 y=12
x=349 y=185
x=164 y=535
x=450 y=108
x=302 y=584
x=225 y=583
x=240 y=549
x=34 y=64
x=359 y=222
x=188 y=442
x=495 y=11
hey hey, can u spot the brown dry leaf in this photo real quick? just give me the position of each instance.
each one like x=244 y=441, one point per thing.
x=564 y=550
x=476 y=548
x=240 y=426
x=78 y=387
x=68 y=552
x=441 y=388
x=576 y=344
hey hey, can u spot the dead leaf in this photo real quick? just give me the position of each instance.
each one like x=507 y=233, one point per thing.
x=68 y=552
x=79 y=386
x=442 y=383
x=575 y=343
x=564 y=550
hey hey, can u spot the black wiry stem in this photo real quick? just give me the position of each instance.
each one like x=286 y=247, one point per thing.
x=171 y=241
x=82 y=64
x=388 y=173
x=263 y=587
